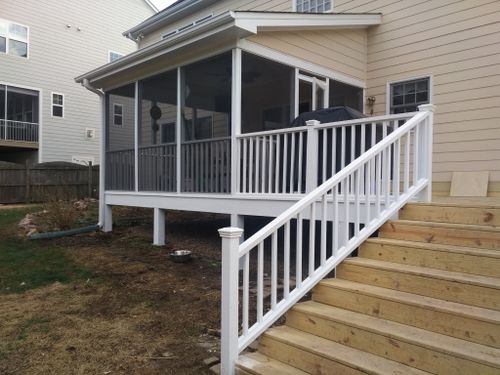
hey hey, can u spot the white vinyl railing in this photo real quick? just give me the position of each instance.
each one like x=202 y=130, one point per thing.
x=20 y=131
x=284 y=260
x=296 y=160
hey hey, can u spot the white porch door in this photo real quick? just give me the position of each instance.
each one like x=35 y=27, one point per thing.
x=311 y=93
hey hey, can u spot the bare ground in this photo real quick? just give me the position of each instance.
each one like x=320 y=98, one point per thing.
x=139 y=314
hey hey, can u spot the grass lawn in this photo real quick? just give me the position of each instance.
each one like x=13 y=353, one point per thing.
x=109 y=303
x=28 y=264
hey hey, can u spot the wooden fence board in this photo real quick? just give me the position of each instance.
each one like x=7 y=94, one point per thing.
x=47 y=181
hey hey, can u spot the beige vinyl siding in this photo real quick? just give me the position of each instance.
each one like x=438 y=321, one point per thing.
x=218 y=8
x=458 y=44
x=343 y=50
x=57 y=54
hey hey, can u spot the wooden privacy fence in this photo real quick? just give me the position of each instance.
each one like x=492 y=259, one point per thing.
x=47 y=181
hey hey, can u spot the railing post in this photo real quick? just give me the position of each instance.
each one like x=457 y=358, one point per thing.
x=312 y=156
x=229 y=299
x=426 y=141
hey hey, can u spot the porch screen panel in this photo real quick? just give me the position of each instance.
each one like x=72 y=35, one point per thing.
x=120 y=136
x=157 y=132
x=206 y=125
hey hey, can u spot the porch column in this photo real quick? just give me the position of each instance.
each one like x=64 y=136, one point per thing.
x=159 y=227
x=178 y=129
x=235 y=119
x=136 y=137
x=108 y=218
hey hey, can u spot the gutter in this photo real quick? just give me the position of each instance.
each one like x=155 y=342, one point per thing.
x=88 y=86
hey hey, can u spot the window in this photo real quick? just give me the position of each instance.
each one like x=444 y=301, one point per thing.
x=118 y=114
x=13 y=38
x=406 y=96
x=313 y=6
x=115 y=56
x=57 y=105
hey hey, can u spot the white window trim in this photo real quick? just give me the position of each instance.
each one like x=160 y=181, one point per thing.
x=294 y=6
x=388 y=90
x=114 y=106
x=57 y=105
x=7 y=40
x=117 y=53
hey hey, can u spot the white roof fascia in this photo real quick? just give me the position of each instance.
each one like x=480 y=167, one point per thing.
x=259 y=21
x=217 y=24
x=248 y=22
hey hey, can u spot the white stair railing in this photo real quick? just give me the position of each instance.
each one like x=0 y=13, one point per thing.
x=346 y=209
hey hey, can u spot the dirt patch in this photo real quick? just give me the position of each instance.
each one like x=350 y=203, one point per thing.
x=139 y=314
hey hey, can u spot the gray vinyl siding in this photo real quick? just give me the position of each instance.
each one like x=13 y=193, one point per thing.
x=57 y=54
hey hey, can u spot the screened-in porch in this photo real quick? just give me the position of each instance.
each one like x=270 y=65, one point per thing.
x=179 y=130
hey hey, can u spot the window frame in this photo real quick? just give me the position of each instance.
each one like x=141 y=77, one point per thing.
x=8 y=38
x=388 y=98
x=116 y=53
x=294 y=7
x=114 y=114
x=52 y=104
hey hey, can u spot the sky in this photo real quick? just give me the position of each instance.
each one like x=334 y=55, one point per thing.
x=160 y=4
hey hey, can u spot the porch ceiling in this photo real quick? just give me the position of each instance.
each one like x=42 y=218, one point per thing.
x=220 y=32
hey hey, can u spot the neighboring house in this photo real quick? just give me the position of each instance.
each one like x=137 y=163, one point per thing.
x=199 y=119
x=44 y=115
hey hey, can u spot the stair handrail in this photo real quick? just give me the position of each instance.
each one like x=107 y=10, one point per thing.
x=375 y=162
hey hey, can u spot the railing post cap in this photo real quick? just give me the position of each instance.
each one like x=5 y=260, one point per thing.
x=427 y=107
x=312 y=122
x=230 y=232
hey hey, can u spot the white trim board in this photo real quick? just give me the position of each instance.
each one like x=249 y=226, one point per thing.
x=283 y=58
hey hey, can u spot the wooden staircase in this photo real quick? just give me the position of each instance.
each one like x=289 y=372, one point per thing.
x=423 y=297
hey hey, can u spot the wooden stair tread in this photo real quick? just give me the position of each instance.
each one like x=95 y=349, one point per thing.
x=397 y=331
x=453 y=226
x=465 y=278
x=257 y=363
x=358 y=359
x=486 y=204
x=473 y=312
x=437 y=247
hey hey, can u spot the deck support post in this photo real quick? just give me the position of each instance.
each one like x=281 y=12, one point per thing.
x=229 y=299
x=108 y=218
x=159 y=227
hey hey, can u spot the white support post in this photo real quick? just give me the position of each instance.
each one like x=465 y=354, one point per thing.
x=136 y=137
x=159 y=227
x=235 y=120
x=312 y=156
x=178 y=129
x=108 y=218
x=229 y=299
x=427 y=142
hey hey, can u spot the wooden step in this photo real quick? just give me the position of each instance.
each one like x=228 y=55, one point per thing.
x=317 y=355
x=415 y=347
x=260 y=364
x=452 y=213
x=465 y=322
x=446 y=257
x=458 y=287
x=443 y=233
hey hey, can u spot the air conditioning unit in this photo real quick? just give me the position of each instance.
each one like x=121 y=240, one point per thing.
x=89 y=133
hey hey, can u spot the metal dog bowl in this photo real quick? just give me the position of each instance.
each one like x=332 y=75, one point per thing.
x=181 y=256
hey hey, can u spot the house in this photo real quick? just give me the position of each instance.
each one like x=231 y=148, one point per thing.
x=44 y=115
x=199 y=119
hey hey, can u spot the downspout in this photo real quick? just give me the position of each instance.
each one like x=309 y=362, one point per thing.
x=88 y=86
